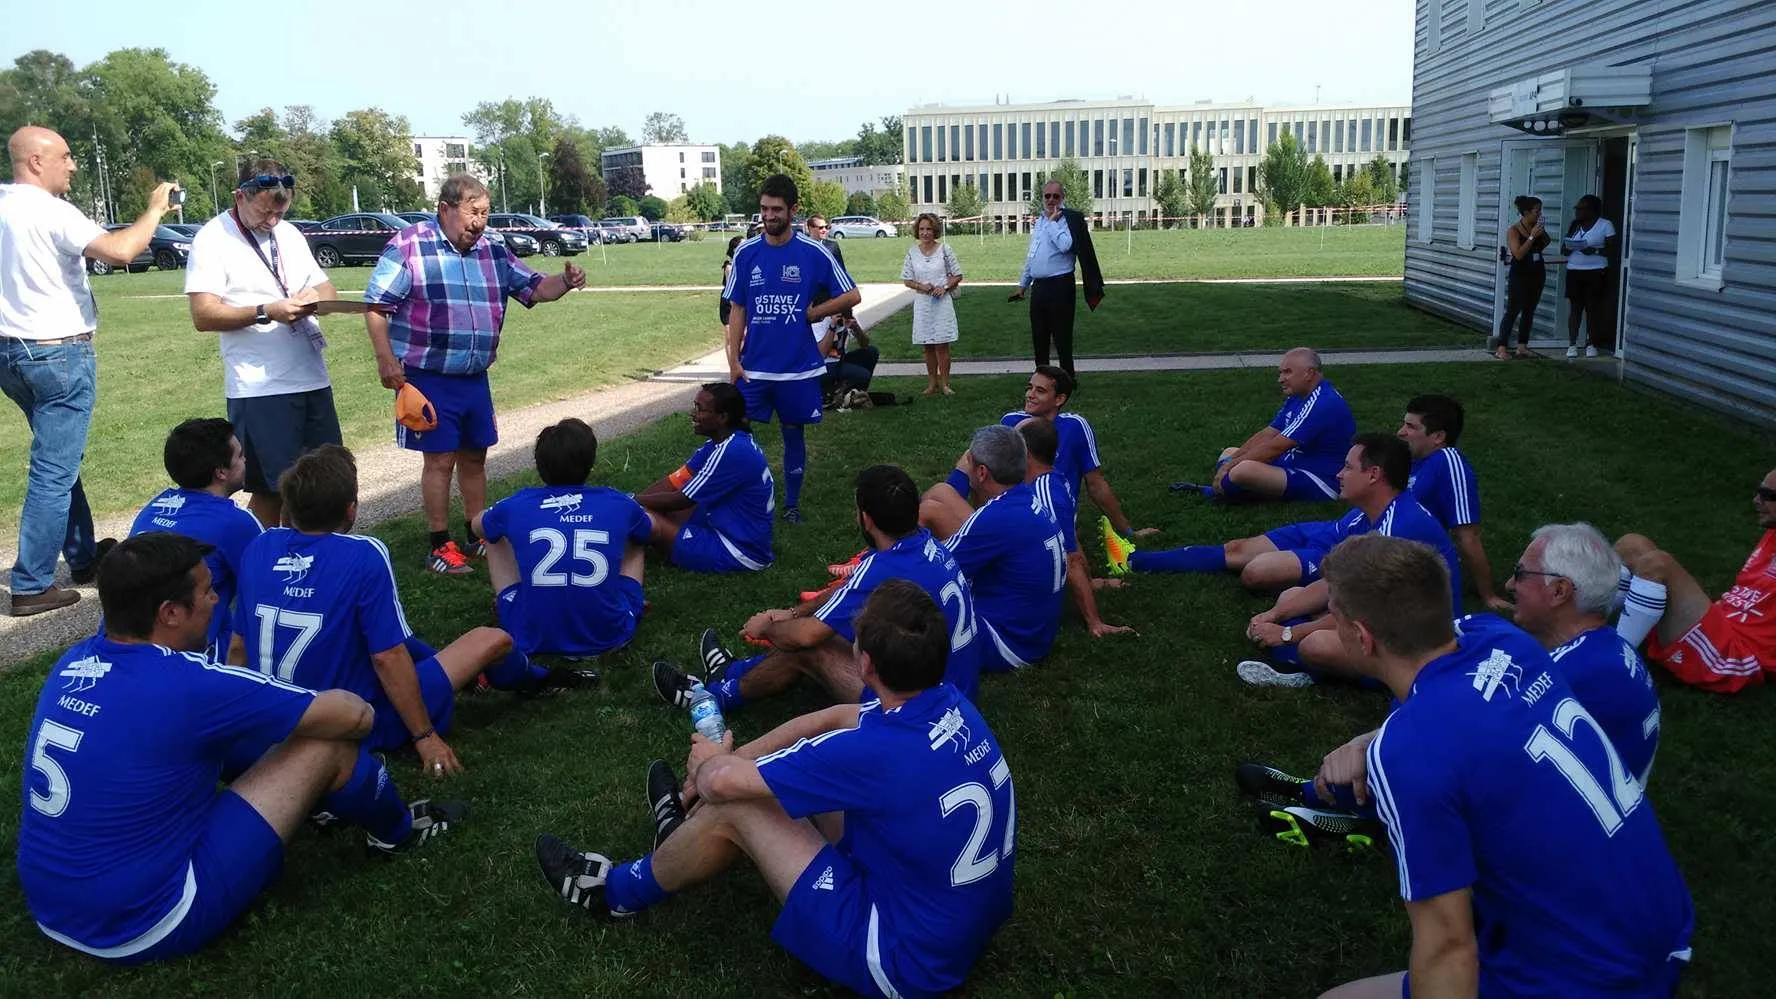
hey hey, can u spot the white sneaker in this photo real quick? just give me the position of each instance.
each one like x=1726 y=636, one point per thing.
x=1572 y=352
x=1264 y=675
x=1590 y=351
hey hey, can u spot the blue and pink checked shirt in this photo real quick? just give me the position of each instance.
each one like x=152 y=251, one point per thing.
x=448 y=305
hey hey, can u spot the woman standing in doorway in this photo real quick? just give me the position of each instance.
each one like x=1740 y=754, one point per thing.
x=1589 y=242
x=932 y=272
x=1524 y=243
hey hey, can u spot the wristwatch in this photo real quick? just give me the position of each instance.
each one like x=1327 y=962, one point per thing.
x=260 y=317
x=1288 y=634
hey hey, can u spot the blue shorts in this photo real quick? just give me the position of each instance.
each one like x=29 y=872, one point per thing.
x=1306 y=541
x=275 y=430
x=793 y=402
x=1308 y=487
x=825 y=923
x=699 y=548
x=1664 y=984
x=532 y=638
x=464 y=405
x=236 y=857
x=389 y=731
x=995 y=656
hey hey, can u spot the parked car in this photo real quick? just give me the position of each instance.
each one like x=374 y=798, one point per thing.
x=555 y=240
x=582 y=223
x=614 y=232
x=667 y=232
x=634 y=224
x=167 y=250
x=520 y=244
x=861 y=225
x=304 y=225
x=187 y=229
x=355 y=238
x=142 y=261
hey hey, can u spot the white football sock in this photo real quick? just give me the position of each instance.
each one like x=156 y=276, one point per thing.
x=1642 y=610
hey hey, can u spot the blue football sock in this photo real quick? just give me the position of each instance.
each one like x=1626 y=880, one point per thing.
x=727 y=691
x=1195 y=558
x=515 y=671
x=795 y=463
x=958 y=481
x=631 y=887
x=369 y=799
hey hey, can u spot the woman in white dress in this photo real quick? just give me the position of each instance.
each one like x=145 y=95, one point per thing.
x=932 y=272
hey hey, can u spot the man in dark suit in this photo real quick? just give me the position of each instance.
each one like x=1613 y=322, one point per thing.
x=1060 y=240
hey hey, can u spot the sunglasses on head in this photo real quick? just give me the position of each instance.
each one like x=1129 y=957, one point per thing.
x=266 y=181
x=1766 y=494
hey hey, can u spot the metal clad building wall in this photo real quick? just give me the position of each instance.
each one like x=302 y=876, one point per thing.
x=1711 y=65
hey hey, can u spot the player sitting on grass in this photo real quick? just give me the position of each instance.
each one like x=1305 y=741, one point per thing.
x=1076 y=453
x=714 y=513
x=902 y=869
x=1444 y=484
x=205 y=462
x=566 y=558
x=1296 y=456
x=1529 y=862
x=814 y=639
x=326 y=614
x=127 y=848
x=1042 y=440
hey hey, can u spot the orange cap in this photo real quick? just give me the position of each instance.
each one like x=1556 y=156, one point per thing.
x=413 y=410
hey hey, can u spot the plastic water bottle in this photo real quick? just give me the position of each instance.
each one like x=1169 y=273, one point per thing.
x=706 y=714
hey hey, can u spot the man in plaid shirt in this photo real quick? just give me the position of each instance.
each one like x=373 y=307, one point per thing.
x=440 y=294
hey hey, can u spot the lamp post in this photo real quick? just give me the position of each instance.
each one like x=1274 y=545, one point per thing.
x=505 y=205
x=215 y=203
x=542 y=186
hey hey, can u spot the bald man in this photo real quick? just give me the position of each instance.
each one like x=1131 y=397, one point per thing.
x=47 y=366
x=1298 y=454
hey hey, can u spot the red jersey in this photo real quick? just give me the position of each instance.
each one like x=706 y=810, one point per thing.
x=1734 y=644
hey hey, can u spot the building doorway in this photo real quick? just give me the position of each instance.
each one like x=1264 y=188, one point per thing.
x=1614 y=181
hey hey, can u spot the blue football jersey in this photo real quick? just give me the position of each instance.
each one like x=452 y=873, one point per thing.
x=319 y=606
x=569 y=542
x=1444 y=484
x=1608 y=677
x=123 y=758
x=776 y=285
x=1321 y=425
x=920 y=558
x=1076 y=453
x=931 y=821
x=1054 y=495
x=1404 y=518
x=1015 y=559
x=215 y=521
x=1492 y=775
x=730 y=481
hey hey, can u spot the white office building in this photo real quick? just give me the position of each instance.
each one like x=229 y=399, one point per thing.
x=440 y=156
x=1124 y=146
x=856 y=176
x=667 y=170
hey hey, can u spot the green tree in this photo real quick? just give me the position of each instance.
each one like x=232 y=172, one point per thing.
x=965 y=203
x=774 y=154
x=651 y=208
x=741 y=199
x=1075 y=186
x=821 y=149
x=881 y=147
x=623 y=206
x=1173 y=195
x=1282 y=178
x=571 y=187
x=860 y=203
x=1320 y=186
x=1386 y=190
x=662 y=128
x=679 y=209
x=1205 y=185
x=705 y=203
x=1356 y=192
x=823 y=198
x=892 y=206
x=628 y=181
x=376 y=149
x=156 y=120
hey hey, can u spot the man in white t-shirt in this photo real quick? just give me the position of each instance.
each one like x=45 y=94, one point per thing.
x=47 y=365
x=252 y=279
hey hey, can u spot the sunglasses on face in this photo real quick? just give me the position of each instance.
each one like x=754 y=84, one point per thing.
x=266 y=181
x=1766 y=494
x=1518 y=572
x=1051 y=197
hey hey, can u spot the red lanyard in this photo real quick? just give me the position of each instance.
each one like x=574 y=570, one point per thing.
x=275 y=265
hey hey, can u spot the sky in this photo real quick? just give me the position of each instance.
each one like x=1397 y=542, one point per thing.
x=736 y=71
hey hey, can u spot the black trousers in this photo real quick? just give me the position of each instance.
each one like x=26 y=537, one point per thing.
x=1523 y=292
x=1052 y=304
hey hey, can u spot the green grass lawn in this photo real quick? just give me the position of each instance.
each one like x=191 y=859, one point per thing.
x=1139 y=870
x=1186 y=318
x=155 y=370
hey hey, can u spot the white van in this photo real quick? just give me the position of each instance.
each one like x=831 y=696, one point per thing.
x=634 y=224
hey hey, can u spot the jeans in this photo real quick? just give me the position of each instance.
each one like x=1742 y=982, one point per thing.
x=854 y=369
x=55 y=387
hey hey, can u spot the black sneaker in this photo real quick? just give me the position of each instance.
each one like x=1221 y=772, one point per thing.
x=431 y=819
x=663 y=800
x=89 y=572
x=673 y=684
x=1190 y=487
x=560 y=678
x=1299 y=825
x=1263 y=780
x=792 y=515
x=715 y=656
x=578 y=878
